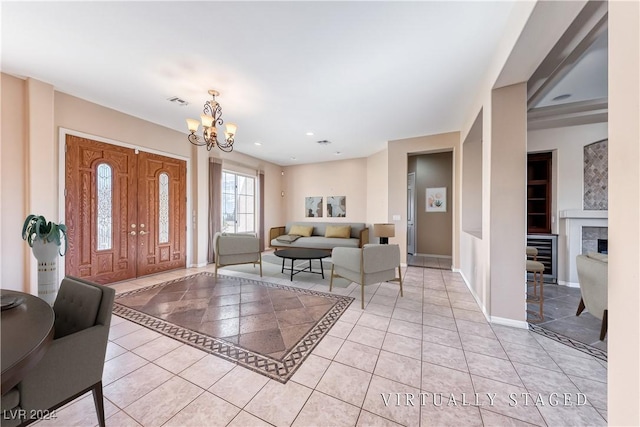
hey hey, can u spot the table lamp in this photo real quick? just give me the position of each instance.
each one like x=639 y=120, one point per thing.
x=384 y=231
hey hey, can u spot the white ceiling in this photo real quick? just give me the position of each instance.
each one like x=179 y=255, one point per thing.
x=355 y=73
x=587 y=79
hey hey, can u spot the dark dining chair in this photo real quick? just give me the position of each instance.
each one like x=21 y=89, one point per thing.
x=74 y=362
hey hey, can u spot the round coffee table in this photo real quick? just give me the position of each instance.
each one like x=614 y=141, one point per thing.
x=306 y=254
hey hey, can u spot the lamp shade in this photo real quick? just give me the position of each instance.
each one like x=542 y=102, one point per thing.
x=207 y=121
x=231 y=128
x=193 y=125
x=384 y=230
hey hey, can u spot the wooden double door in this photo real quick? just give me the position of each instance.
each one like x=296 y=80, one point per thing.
x=125 y=211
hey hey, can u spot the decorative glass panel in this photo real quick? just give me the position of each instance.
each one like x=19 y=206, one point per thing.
x=105 y=203
x=163 y=210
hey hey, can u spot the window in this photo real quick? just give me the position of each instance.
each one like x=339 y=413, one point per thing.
x=238 y=203
x=104 y=196
x=163 y=210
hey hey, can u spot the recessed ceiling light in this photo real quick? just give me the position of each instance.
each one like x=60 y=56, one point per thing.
x=293 y=158
x=309 y=134
x=257 y=143
x=561 y=97
x=337 y=153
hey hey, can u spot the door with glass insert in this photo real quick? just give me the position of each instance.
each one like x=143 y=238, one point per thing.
x=125 y=212
x=162 y=213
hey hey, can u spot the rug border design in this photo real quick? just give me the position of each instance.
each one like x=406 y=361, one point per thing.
x=279 y=370
x=585 y=348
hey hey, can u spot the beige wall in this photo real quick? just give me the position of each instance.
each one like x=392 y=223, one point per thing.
x=341 y=178
x=13 y=198
x=508 y=203
x=624 y=214
x=472 y=180
x=378 y=188
x=399 y=151
x=433 y=229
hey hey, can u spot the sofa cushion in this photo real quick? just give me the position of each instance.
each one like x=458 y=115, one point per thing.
x=317 y=242
x=339 y=231
x=301 y=230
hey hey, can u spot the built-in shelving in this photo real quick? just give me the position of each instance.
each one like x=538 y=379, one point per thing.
x=539 y=193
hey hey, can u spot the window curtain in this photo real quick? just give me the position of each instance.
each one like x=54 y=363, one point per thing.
x=261 y=209
x=215 y=200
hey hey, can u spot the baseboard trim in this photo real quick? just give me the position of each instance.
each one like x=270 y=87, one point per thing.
x=520 y=324
x=434 y=255
x=475 y=296
x=568 y=284
x=198 y=265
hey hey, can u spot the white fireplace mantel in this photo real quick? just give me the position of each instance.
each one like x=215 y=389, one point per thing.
x=579 y=213
x=574 y=220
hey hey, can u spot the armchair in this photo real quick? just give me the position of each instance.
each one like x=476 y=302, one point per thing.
x=236 y=248
x=592 y=275
x=74 y=362
x=373 y=263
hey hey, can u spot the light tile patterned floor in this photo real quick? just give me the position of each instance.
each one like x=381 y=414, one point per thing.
x=429 y=358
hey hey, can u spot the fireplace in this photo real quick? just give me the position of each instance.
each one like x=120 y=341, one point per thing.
x=603 y=246
x=592 y=237
x=579 y=231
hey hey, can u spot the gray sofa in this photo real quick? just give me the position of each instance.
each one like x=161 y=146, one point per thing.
x=358 y=238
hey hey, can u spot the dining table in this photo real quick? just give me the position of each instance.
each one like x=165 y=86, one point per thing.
x=27 y=326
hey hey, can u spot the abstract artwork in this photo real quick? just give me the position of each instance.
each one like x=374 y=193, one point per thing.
x=313 y=207
x=337 y=206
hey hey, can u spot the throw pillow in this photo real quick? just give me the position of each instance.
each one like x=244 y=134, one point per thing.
x=301 y=230
x=340 y=231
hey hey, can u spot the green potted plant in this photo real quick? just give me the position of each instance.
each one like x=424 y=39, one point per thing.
x=45 y=239
x=36 y=228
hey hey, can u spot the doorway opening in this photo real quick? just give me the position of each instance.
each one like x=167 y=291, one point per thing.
x=429 y=210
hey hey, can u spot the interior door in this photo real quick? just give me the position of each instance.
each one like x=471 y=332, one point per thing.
x=125 y=211
x=411 y=213
x=100 y=203
x=162 y=224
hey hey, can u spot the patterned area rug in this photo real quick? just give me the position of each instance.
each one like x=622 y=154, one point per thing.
x=266 y=327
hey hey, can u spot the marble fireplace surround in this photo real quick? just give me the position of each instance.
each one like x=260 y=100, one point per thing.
x=571 y=223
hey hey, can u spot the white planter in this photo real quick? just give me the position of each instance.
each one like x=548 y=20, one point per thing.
x=47 y=256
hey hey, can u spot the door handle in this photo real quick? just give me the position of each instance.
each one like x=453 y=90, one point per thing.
x=142 y=232
x=133 y=233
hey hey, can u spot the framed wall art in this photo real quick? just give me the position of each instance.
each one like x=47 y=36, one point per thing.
x=313 y=207
x=437 y=199
x=337 y=206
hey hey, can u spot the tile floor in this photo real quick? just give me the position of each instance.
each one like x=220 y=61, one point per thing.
x=560 y=305
x=429 y=358
x=267 y=320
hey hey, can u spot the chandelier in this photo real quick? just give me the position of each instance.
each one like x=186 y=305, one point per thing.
x=210 y=119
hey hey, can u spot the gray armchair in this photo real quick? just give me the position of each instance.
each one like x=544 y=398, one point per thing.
x=237 y=248
x=74 y=362
x=593 y=278
x=373 y=263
